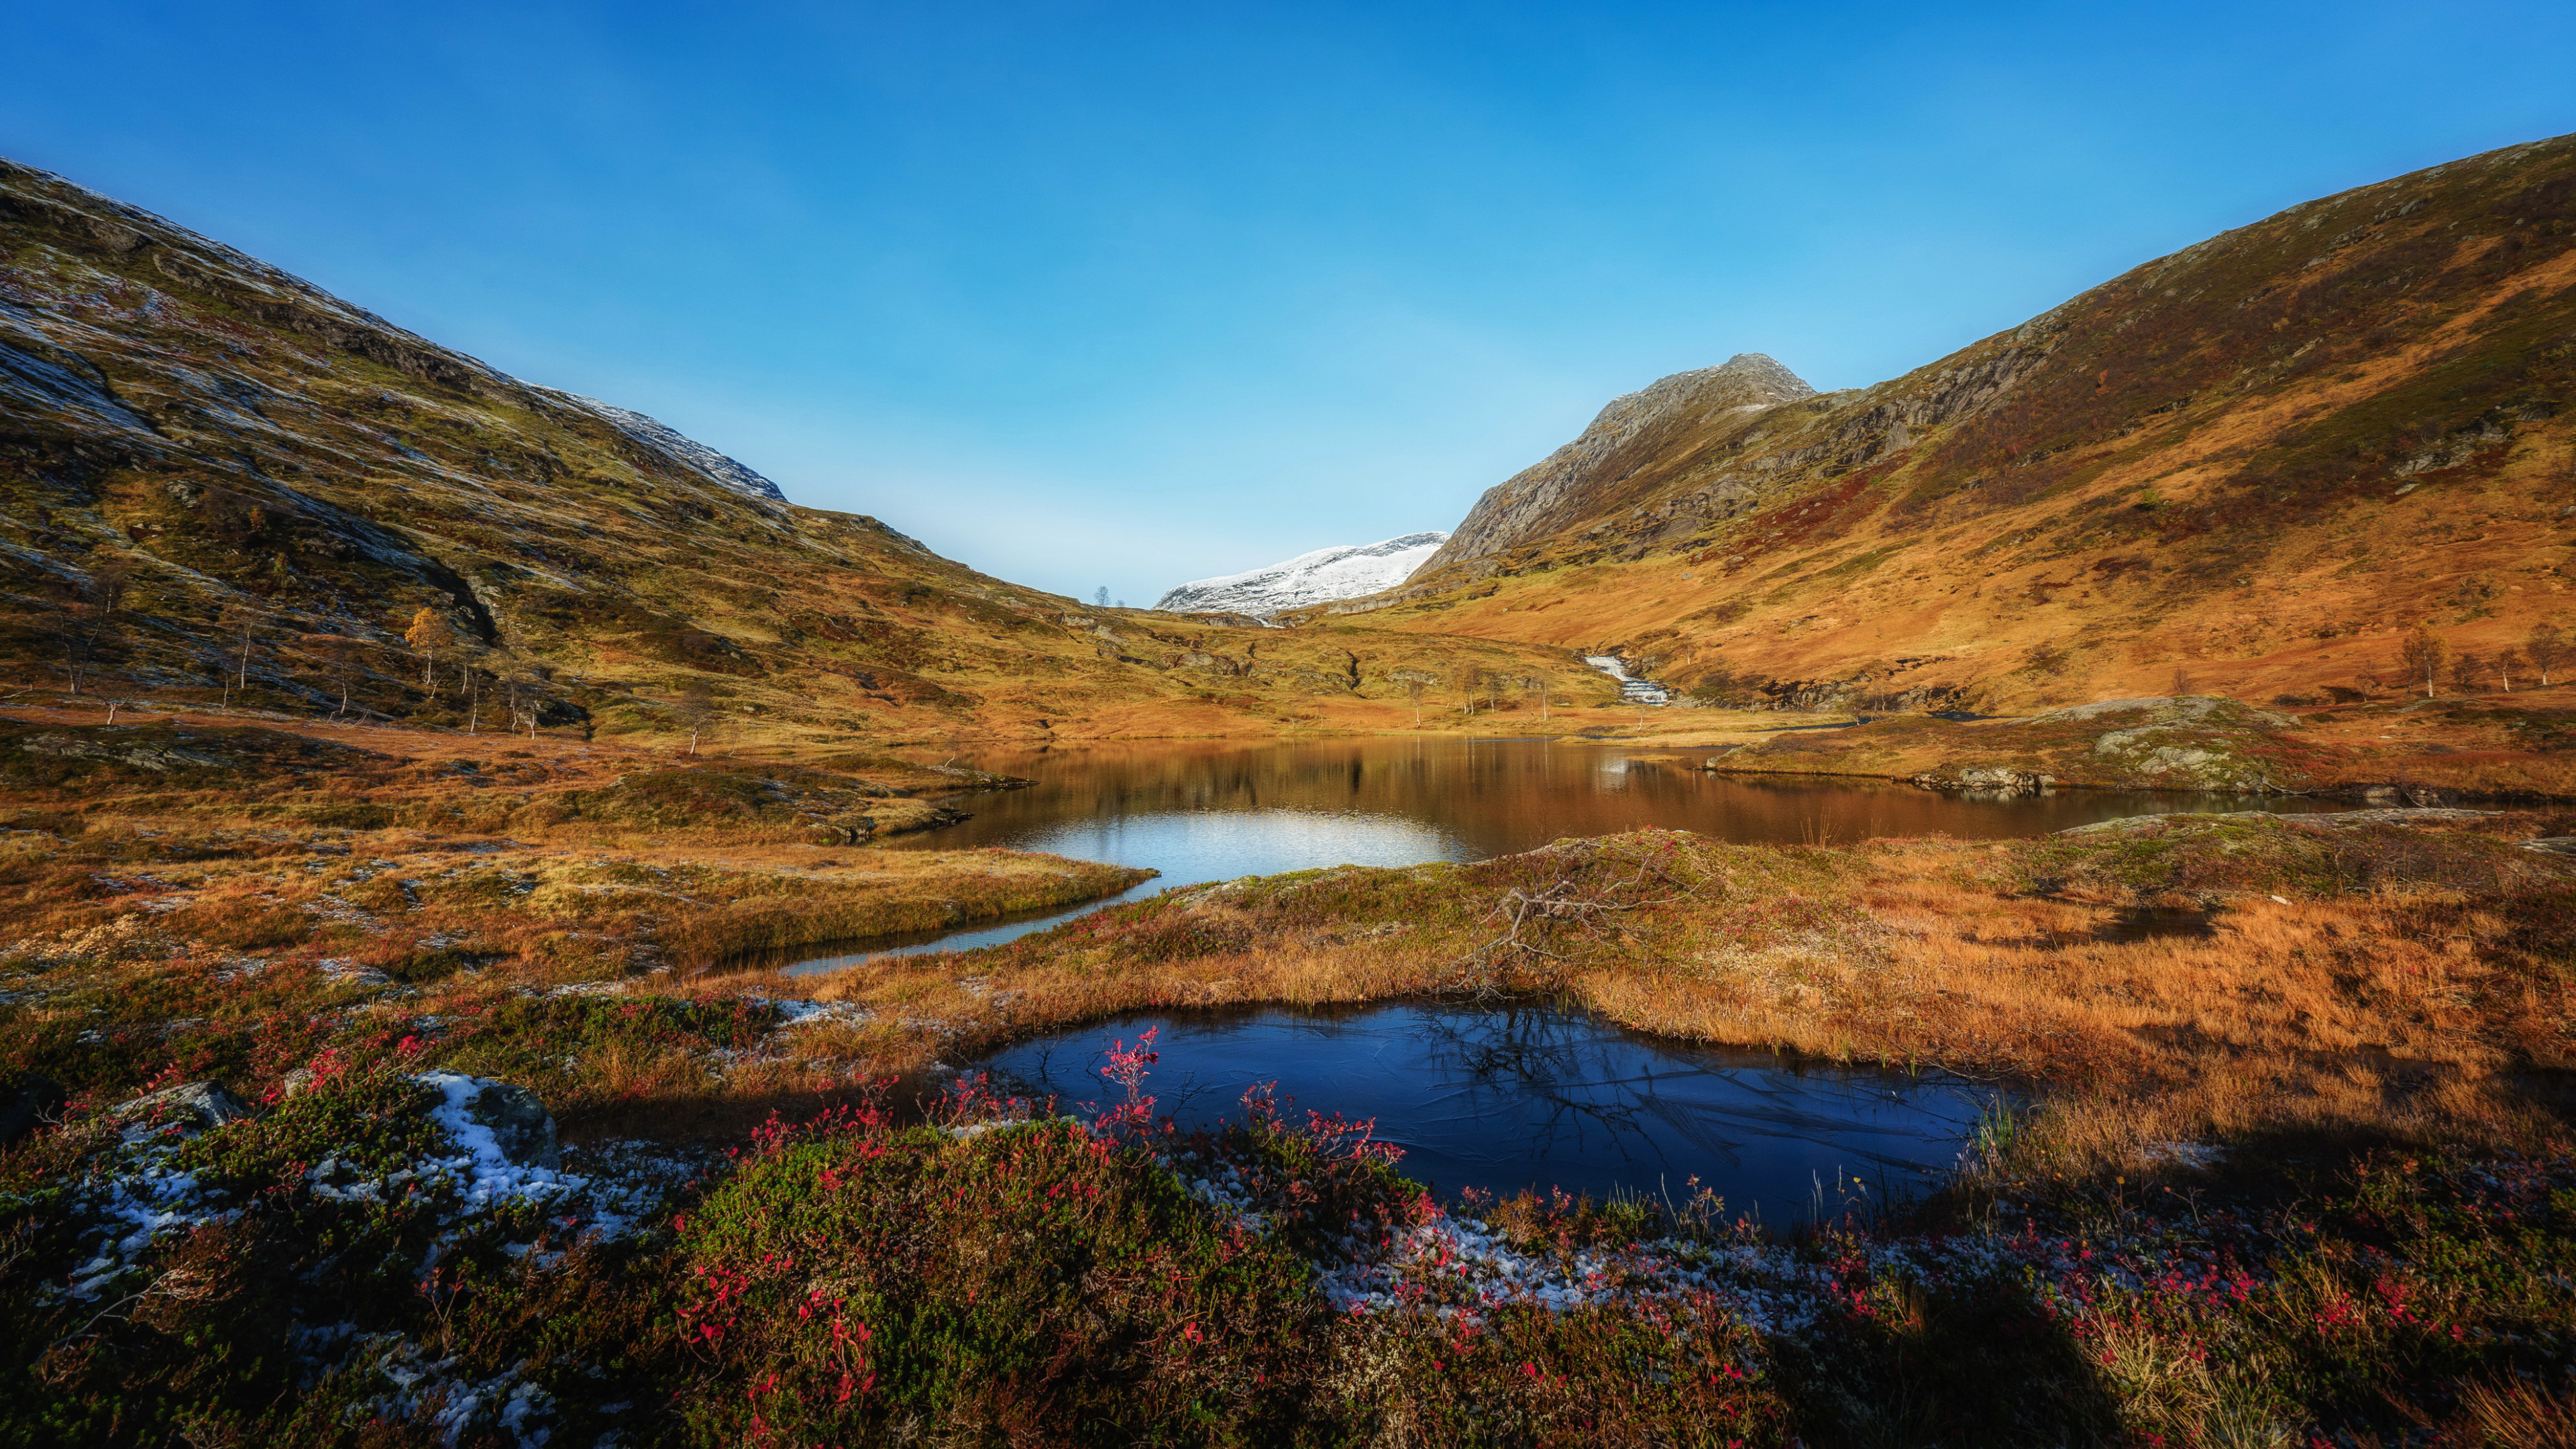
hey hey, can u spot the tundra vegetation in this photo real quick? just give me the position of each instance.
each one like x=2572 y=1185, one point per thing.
x=2287 y=1159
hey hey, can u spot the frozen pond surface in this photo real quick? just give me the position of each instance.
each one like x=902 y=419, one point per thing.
x=1533 y=1097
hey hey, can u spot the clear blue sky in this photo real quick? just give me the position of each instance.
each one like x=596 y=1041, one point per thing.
x=1133 y=293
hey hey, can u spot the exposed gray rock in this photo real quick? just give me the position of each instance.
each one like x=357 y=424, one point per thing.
x=2183 y=740
x=191 y=1107
x=1993 y=779
x=141 y=754
x=653 y=433
x=2554 y=844
x=1550 y=494
x=2173 y=709
x=519 y=1124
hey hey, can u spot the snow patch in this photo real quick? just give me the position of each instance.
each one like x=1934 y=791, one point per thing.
x=1347 y=571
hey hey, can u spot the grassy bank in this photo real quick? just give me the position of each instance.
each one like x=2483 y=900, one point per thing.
x=2184 y=978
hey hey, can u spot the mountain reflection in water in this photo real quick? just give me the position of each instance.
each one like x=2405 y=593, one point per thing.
x=1216 y=810
x=1534 y=1097
x=1337 y=802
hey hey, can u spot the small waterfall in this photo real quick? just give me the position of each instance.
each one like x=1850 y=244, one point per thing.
x=1632 y=690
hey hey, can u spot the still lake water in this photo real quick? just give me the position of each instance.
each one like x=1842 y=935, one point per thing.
x=1217 y=810
x=1498 y=1100
x=1532 y=1097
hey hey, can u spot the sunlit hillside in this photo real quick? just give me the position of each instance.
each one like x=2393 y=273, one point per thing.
x=2249 y=467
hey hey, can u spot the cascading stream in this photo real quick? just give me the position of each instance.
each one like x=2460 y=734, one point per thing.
x=1632 y=690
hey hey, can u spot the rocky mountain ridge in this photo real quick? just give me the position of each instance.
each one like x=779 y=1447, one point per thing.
x=1562 y=487
x=688 y=451
x=2254 y=463
x=218 y=480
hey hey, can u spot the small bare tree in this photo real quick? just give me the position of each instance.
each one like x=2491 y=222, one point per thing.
x=2508 y=659
x=342 y=662
x=2182 y=682
x=525 y=696
x=1538 y=685
x=1414 y=682
x=2468 y=670
x=2545 y=646
x=241 y=629
x=2421 y=657
x=85 y=617
x=695 y=708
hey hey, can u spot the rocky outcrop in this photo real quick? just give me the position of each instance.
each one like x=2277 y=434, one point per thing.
x=1553 y=493
x=2192 y=742
x=718 y=469
x=144 y=754
x=187 y=1108
x=492 y=1119
x=1987 y=779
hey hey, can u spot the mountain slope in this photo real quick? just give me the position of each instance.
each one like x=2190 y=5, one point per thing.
x=1346 y=571
x=2255 y=462
x=212 y=470
x=1582 y=478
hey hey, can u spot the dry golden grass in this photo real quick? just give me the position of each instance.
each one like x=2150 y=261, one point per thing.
x=2409 y=1010
x=2399 y=983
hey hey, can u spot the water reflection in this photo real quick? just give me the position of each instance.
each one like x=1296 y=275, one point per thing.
x=1216 y=810
x=1470 y=799
x=1533 y=1097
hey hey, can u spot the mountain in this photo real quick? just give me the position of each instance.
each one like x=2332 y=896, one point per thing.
x=2248 y=467
x=219 y=482
x=1344 y=572
x=1576 y=479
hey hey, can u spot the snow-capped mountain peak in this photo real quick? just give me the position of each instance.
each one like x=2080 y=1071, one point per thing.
x=1345 y=571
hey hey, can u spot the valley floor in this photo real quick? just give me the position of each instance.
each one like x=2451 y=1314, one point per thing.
x=2296 y=1167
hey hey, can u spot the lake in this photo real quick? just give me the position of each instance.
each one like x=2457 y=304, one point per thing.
x=1217 y=810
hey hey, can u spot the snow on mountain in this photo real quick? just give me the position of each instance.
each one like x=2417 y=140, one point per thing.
x=1345 y=572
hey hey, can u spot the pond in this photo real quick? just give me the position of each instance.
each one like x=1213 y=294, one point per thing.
x=1533 y=1097
x=1217 y=810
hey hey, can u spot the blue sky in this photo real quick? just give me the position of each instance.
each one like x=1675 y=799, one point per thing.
x=1127 y=294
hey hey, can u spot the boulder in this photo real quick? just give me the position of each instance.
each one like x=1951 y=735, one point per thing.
x=519 y=1123
x=1992 y=779
x=519 y=1127
x=141 y=754
x=28 y=1102
x=191 y=1107
x=2003 y=778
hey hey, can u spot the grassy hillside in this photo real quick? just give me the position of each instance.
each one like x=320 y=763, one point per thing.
x=2250 y=468
x=213 y=470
